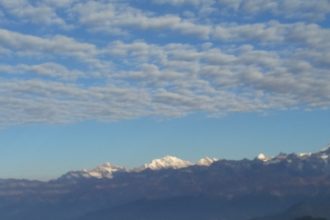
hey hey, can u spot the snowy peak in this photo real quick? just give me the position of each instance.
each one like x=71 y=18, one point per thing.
x=326 y=150
x=105 y=170
x=263 y=157
x=324 y=154
x=304 y=154
x=206 y=161
x=167 y=162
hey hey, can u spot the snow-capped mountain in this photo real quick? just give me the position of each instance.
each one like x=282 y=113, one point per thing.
x=263 y=157
x=299 y=160
x=263 y=182
x=105 y=170
x=167 y=162
x=304 y=154
x=206 y=161
x=171 y=162
x=324 y=154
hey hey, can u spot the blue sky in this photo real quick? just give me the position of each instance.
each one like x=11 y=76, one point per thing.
x=83 y=82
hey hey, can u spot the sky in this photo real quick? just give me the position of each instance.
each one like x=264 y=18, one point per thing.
x=126 y=81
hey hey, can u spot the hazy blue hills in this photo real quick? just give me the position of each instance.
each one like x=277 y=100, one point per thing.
x=318 y=206
x=282 y=187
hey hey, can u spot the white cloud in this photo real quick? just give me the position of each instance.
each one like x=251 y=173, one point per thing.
x=23 y=44
x=120 y=18
x=25 y=11
x=52 y=70
x=181 y=2
x=290 y=9
x=271 y=31
x=122 y=61
x=51 y=102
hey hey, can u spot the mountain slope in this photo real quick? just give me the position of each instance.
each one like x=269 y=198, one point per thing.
x=317 y=207
x=223 y=190
x=190 y=208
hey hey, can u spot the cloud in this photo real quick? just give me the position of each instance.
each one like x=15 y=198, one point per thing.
x=25 y=11
x=54 y=102
x=287 y=9
x=290 y=9
x=311 y=35
x=122 y=60
x=120 y=18
x=53 y=70
x=23 y=44
x=181 y=2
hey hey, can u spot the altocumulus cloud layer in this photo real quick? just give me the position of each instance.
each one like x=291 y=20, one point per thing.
x=68 y=60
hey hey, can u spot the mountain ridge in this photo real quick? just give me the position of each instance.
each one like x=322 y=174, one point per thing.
x=267 y=186
x=107 y=169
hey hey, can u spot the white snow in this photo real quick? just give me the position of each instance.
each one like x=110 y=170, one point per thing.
x=324 y=157
x=104 y=170
x=206 y=161
x=167 y=162
x=263 y=157
x=303 y=154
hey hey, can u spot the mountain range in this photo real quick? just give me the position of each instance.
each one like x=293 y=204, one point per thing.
x=107 y=169
x=284 y=187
